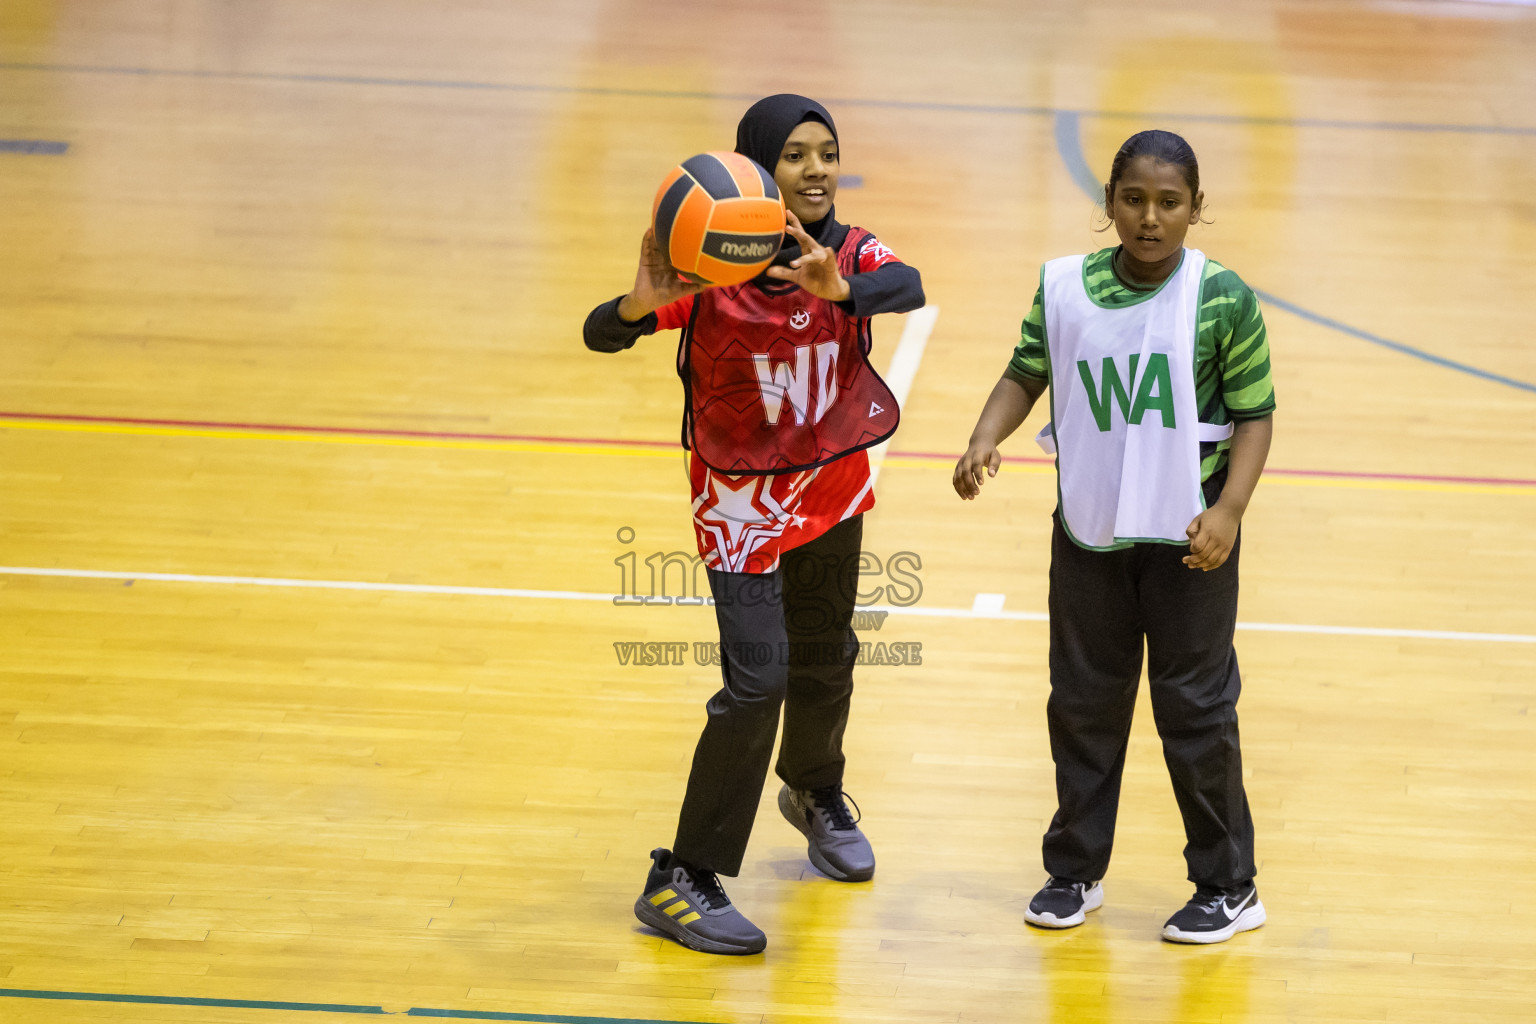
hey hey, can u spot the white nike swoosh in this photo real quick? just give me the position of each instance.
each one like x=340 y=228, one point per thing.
x=1232 y=914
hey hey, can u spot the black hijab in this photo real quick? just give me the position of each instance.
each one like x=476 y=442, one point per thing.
x=767 y=125
x=761 y=135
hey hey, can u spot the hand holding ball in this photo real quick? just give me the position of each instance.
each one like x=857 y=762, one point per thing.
x=719 y=218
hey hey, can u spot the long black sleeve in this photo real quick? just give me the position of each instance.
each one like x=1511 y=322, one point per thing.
x=606 y=331
x=893 y=288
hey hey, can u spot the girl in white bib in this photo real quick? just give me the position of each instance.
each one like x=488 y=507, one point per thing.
x=1161 y=403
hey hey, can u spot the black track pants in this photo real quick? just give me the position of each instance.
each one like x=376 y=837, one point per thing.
x=1102 y=604
x=786 y=639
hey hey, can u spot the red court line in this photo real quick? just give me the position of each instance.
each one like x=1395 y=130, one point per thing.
x=1341 y=474
x=301 y=429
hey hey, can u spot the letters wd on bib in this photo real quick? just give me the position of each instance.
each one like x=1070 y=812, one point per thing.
x=780 y=382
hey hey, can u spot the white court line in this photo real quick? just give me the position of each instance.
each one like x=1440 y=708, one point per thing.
x=903 y=370
x=988 y=602
x=277 y=581
x=577 y=595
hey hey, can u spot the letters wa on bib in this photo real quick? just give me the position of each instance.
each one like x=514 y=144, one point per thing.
x=1125 y=425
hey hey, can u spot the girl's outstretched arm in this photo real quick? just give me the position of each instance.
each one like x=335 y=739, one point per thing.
x=1007 y=407
x=656 y=282
x=616 y=324
x=1214 y=531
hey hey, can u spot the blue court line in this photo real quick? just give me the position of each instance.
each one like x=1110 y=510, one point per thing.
x=1023 y=110
x=1251 y=120
x=34 y=147
x=1070 y=147
x=372 y=1011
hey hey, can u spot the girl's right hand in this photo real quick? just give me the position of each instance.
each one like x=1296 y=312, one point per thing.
x=979 y=462
x=656 y=282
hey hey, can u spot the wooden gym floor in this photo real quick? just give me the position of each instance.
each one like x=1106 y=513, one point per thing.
x=313 y=506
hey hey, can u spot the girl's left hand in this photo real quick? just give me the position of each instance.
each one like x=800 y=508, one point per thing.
x=815 y=269
x=1211 y=536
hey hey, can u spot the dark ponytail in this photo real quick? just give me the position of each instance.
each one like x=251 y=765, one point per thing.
x=1165 y=148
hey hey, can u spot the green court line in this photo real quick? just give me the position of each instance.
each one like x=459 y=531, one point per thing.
x=372 y=1011
x=243 y=1004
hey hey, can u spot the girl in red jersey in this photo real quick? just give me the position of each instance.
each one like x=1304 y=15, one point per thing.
x=781 y=404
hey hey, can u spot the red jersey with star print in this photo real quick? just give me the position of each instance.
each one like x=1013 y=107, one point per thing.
x=744 y=522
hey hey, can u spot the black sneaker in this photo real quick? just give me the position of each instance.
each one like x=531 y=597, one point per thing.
x=1063 y=903
x=837 y=847
x=689 y=905
x=1215 y=915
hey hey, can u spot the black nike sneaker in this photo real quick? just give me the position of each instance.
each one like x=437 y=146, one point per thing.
x=1063 y=903
x=1215 y=915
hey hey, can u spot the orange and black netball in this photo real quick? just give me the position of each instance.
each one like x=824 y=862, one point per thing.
x=719 y=218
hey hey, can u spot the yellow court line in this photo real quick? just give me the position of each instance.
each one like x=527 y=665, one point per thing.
x=626 y=451
x=1398 y=485
x=238 y=434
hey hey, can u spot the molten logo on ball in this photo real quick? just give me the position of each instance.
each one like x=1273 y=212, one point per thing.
x=719 y=218
x=747 y=250
x=751 y=250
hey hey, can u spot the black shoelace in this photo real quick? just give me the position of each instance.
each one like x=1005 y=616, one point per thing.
x=1209 y=898
x=1065 y=884
x=830 y=800
x=707 y=885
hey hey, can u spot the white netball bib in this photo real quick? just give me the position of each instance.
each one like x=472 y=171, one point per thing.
x=1124 y=424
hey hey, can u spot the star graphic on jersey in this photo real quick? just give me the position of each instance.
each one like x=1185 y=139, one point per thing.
x=736 y=516
x=733 y=504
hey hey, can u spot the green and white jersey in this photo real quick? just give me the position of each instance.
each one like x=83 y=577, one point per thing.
x=1232 y=377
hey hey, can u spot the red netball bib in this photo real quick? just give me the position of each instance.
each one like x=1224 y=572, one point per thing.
x=780 y=383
